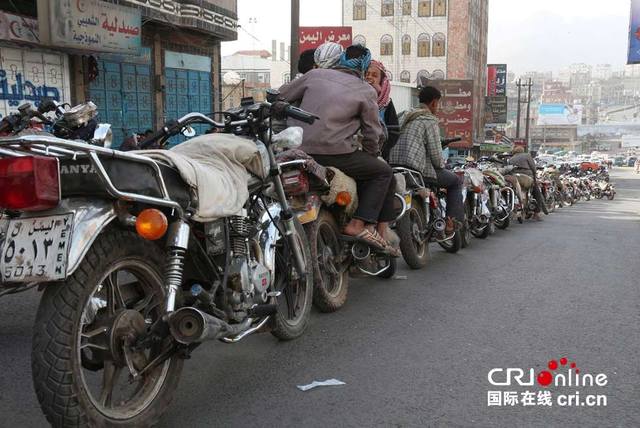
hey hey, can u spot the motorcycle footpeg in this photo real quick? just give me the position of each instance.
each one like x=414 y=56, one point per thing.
x=261 y=311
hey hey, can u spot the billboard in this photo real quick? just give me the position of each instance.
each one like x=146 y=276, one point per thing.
x=495 y=110
x=496 y=80
x=559 y=114
x=456 y=111
x=634 y=34
x=312 y=37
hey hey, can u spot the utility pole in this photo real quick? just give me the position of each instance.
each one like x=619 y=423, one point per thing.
x=295 y=38
x=527 y=136
x=519 y=85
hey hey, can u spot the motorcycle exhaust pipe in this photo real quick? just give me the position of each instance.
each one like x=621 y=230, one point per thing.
x=190 y=325
x=360 y=251
x=439 y=225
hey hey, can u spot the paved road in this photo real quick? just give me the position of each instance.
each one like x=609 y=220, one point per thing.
x=417 y=352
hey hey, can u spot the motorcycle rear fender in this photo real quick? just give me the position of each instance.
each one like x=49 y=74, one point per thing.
x=90 y=217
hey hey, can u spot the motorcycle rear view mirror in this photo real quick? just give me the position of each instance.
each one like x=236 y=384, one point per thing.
x=188 y=132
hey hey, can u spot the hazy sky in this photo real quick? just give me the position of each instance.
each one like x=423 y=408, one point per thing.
x=525 y=34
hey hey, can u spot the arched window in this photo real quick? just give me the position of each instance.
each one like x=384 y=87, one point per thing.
x=424 y=7
x=406 y=44
x=386 y=45
x=440 y=8
x=437 y=75
x=439 y=43
x=422 y=78
x=424 y=45
x=389 y=76
x=405 y=77
x=360 y=40
x=359 y=10
x=386 y=8
x=406 y=7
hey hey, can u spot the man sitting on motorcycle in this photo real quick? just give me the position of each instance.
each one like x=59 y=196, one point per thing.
x=526 y=172
x=419 y=147
x=347 y=104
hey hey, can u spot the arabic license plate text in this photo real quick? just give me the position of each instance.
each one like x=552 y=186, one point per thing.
x=36 y=249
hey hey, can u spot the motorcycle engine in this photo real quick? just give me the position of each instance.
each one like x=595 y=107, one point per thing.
x=249 y=278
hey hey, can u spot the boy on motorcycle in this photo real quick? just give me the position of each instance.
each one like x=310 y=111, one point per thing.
x=347 y=104
x=526 y=171
x=419 y=147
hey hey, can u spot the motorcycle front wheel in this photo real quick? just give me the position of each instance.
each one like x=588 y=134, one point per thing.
x=80 y=355
x=294 y=305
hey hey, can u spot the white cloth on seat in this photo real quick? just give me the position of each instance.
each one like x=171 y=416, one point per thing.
x=215 y=166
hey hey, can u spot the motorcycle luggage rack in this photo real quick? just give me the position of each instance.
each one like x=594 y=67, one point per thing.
x=45 y=145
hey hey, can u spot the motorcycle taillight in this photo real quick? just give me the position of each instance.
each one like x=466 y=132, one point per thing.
x=29 y=183
x=433 y=200
x=295 y=182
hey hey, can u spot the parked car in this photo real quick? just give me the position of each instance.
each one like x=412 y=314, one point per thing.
x=631 y=161
x=618 y=161
x=589 y=166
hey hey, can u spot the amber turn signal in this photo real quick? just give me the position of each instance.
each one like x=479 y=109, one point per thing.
x=151 y=224
x=343 y=198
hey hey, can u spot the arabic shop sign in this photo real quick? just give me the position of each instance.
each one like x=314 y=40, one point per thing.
x=312 y=37
x=456 y=111
x=495 y=110
x=18 y=28
x=496 y=80
x=90 y=25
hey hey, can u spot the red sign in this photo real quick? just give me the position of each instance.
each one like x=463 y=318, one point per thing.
x=456 y=111
x=312 y=37
x=520 y=142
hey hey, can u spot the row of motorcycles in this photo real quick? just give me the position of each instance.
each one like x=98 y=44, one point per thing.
x=134 y=278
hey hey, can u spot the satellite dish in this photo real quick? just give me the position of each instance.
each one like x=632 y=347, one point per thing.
x=231 y=78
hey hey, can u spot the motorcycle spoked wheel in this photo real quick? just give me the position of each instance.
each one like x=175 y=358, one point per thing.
x=294 y=305
x=411 y=230
x=502 y=224
x=611 y=195
x=551 y=203
x=78 y=362
x=331 y=280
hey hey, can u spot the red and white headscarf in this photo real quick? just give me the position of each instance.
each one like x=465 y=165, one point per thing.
x=385 y=85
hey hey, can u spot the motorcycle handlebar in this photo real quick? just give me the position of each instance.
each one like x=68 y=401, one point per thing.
x=299 y=114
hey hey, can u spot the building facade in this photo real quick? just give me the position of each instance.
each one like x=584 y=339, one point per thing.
x=418 y=40
x=164 y=63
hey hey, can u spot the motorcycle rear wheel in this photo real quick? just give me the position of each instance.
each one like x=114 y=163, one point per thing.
x=81 y=324
x=331 y=281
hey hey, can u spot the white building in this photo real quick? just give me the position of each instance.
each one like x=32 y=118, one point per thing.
x=408 y=36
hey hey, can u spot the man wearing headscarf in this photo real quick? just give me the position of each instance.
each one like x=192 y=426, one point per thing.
x=378 y=77
x=328 y=54
x=347 y=104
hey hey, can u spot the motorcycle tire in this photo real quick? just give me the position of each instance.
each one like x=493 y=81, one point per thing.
x=610 y=196
x=504 y=224
x=551 y=204
x=290 y=323
x=331 y=281
x=67 y=309
x=411 y=229
x=454 y=244
x=465 y=234
x=484 y=232
x=391 y=270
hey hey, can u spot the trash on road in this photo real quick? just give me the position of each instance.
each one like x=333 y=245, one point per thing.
x=328 y=382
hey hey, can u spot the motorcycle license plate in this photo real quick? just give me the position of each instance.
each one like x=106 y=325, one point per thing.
x=36 y=249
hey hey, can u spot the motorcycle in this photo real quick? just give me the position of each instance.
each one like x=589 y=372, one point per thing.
x=477 y=203
x=502 y=198
x=324 y=208
x=77 y=123
x=134 y=279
